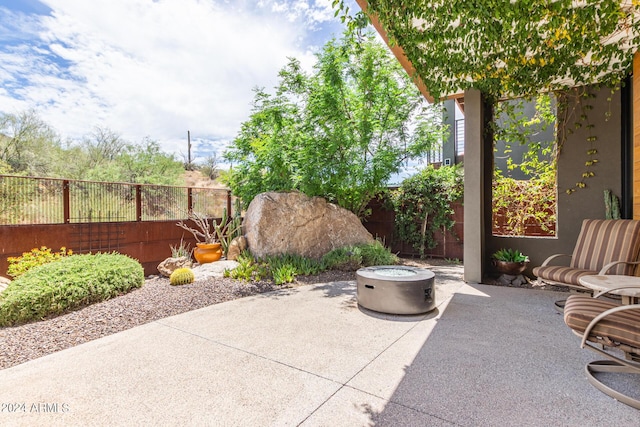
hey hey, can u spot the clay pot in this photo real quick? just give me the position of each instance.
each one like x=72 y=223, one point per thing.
x=511 y=268
x=207 y=252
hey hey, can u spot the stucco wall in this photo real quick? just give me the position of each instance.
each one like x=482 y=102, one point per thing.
x=586 y=202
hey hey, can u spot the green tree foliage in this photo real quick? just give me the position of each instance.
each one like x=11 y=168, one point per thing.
x=29 y=146
x=339 y=132
x=26 y=144
x=423 y=204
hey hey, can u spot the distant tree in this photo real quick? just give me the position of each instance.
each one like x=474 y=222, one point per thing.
x=339 y=133
x=209 y=167
x=103 y=145
x=26 y=143
x=147 y=164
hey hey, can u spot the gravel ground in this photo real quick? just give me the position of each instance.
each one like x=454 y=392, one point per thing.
x=155 y=300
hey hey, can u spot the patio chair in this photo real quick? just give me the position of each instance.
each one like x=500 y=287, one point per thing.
x=604 y=246
x=617 y=329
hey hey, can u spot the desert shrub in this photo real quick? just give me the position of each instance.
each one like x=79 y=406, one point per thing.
x=68 y=283
x=37 y=256
x=351 y=258
x=376 y=254
x=348 y=258
x=181 y=250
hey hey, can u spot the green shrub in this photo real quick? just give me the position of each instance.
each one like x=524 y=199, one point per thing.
x=68 y=283
x=348 y=258
x=351 y=258
x=285 y=268
x=298 y=264
x=423 y=202
x=376 y=254
x=285 y=273
x=248 y=268
x=20 y=265
x=181 y=276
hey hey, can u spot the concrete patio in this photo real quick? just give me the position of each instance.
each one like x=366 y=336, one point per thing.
x=309 y=356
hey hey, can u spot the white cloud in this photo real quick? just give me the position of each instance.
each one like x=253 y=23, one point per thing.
x=152 y=68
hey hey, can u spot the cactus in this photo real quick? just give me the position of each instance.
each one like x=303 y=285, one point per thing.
x=611 y=205
x=181 y=276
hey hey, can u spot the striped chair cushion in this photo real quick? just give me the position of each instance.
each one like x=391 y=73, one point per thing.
x=561 y=274
x=621 y=328
x=604 y=240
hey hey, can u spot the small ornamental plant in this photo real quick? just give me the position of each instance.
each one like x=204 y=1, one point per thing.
x=37 y=256
x=181 y=276
x=510 y=255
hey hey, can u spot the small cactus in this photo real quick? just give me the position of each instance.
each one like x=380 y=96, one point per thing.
x=181 y=276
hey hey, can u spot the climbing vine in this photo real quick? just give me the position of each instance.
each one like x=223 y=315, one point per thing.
x=510 y=48
x=521 y=205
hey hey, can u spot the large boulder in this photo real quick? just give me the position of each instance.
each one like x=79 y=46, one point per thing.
x=293 y=223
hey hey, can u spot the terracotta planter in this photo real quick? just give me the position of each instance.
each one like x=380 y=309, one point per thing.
x=207 y=252
x=511 y=268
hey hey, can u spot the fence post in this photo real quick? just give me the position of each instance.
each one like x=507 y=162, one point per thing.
x=189 y=199
x=66 y=205
x=138 y=202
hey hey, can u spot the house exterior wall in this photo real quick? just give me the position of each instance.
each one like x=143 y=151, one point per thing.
x=586 y=202
x=517 y=150
x=449 y=144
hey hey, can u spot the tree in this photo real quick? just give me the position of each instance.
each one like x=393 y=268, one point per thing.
x=141 y=163
x=26 y=141
x=209 y=167
x=103 y=145
x=339 y=133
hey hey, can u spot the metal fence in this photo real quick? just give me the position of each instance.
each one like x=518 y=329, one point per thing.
x=27 y=200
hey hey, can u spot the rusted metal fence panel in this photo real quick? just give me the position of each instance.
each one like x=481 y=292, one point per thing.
x=27 y=200
x=85 y=216
x=101 y=202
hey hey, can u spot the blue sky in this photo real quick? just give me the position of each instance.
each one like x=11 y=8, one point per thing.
x=153 y=68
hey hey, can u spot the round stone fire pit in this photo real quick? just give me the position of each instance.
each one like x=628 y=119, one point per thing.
x=396 y=289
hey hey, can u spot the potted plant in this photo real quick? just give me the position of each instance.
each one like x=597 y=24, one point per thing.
x=510 y=261
x=208 y=248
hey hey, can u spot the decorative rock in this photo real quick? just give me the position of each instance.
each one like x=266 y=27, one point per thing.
x=169 y=265
x=237 y=245
x=213 y=269
x=511 y=280
x=293 y=223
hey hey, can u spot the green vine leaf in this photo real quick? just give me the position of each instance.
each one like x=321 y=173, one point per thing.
x=509 y=49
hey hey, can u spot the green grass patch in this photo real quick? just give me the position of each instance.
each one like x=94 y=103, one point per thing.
x=66 y=284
